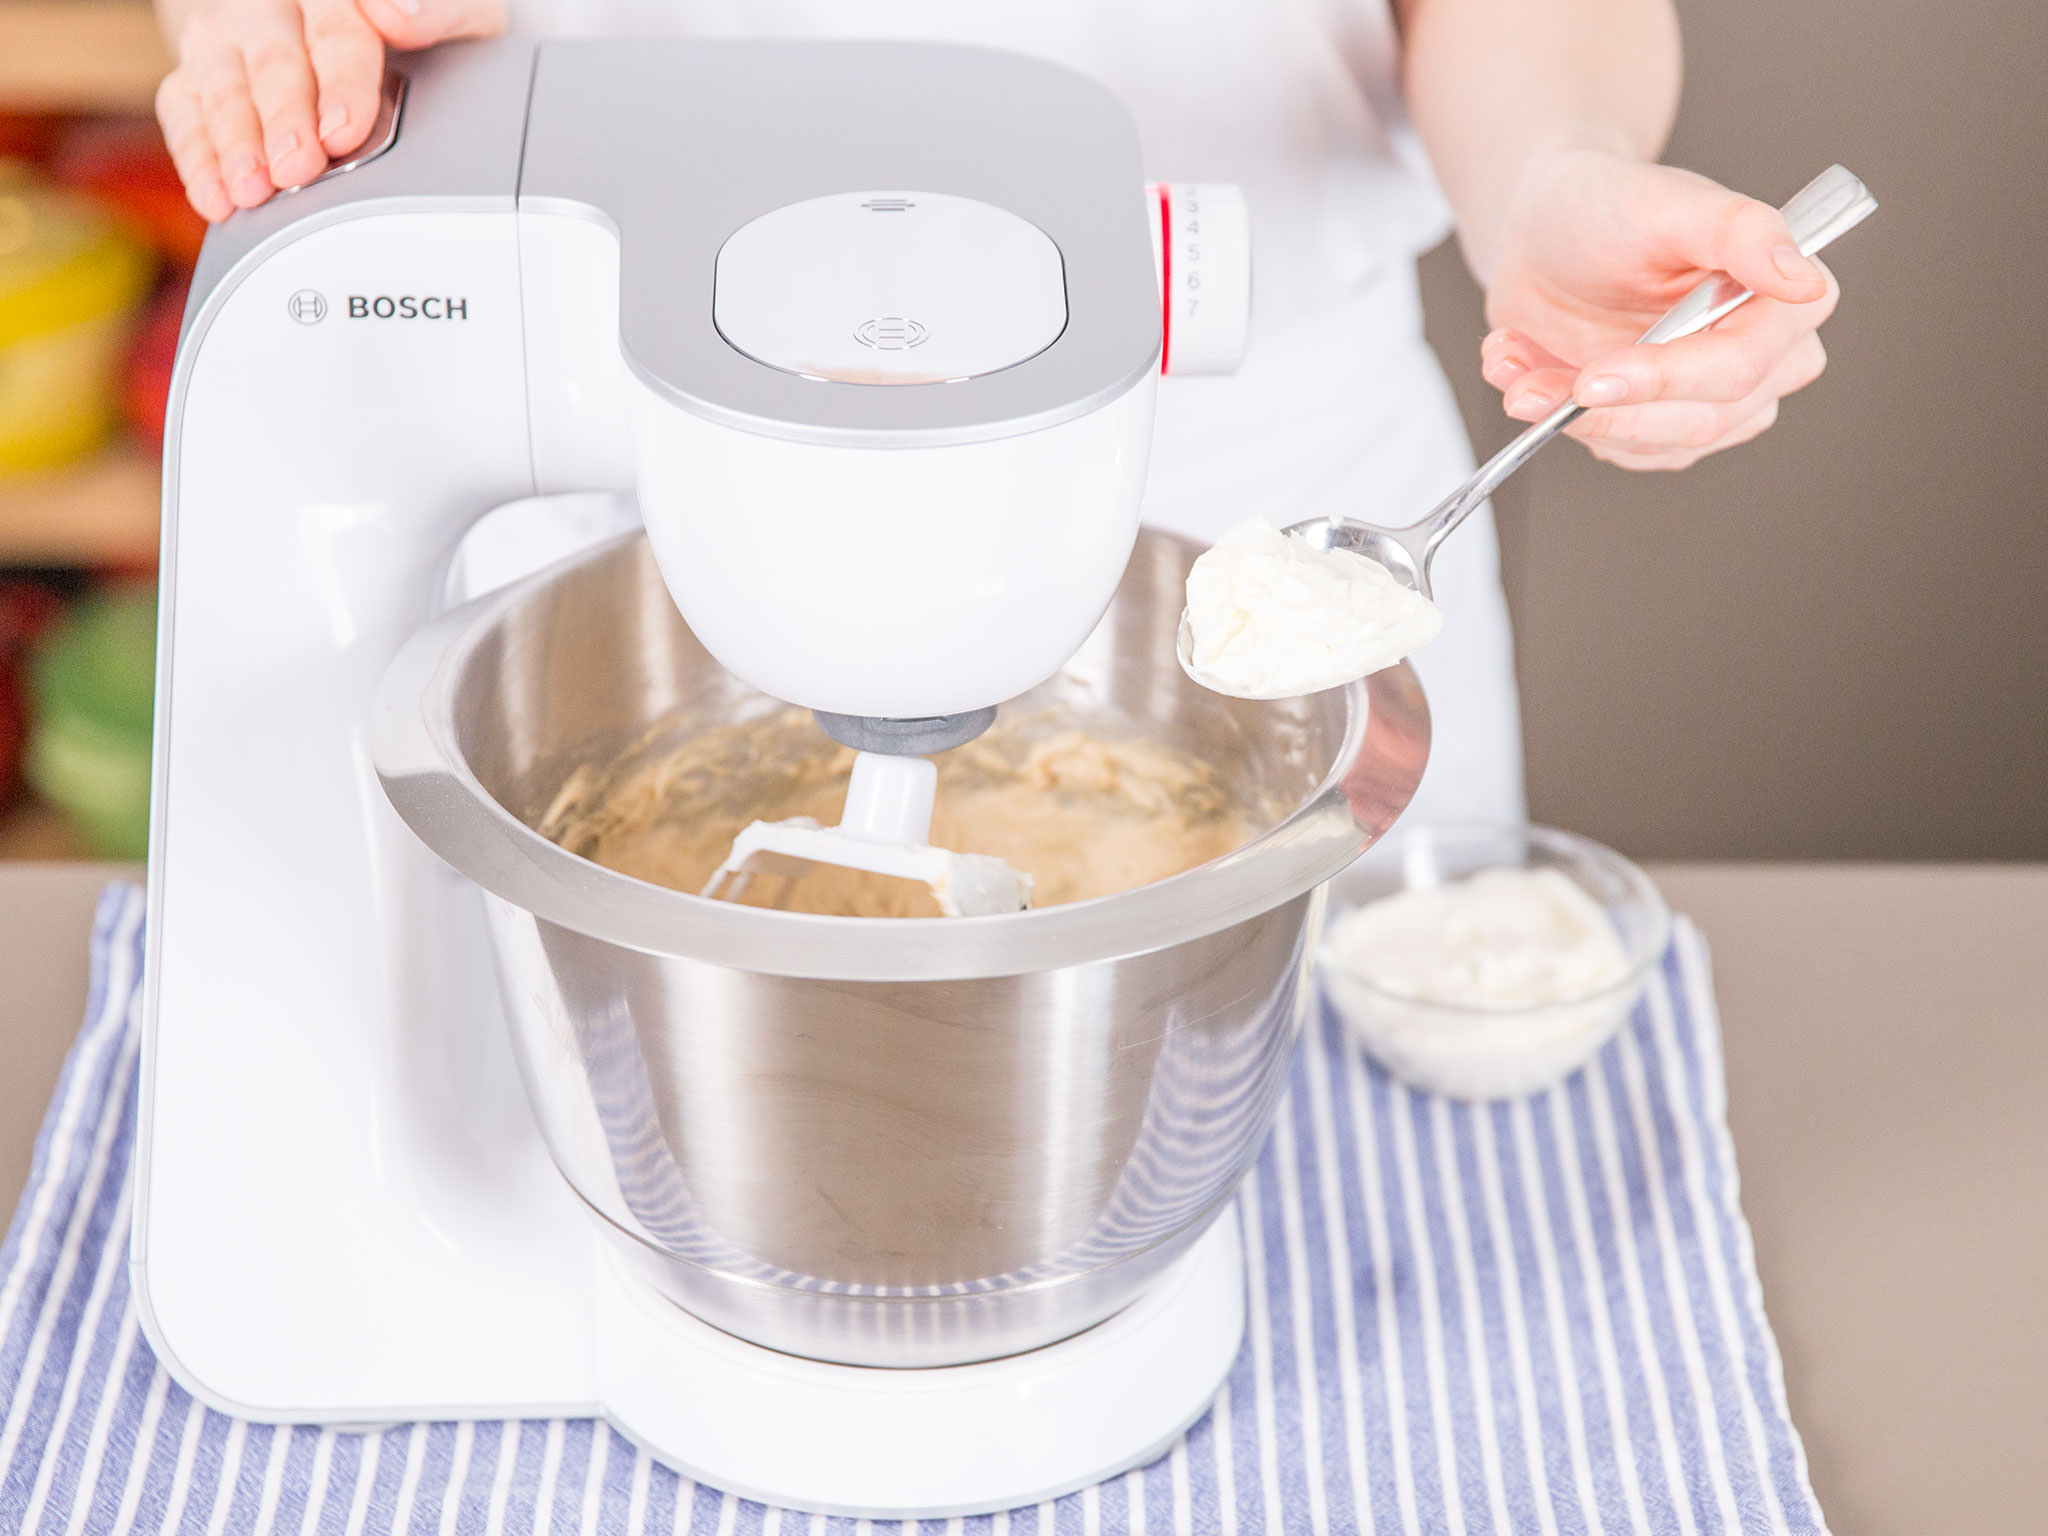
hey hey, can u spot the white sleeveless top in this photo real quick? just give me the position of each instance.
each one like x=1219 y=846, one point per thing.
x=1340 y=406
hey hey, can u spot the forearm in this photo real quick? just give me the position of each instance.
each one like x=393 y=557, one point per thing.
x=1498 y=86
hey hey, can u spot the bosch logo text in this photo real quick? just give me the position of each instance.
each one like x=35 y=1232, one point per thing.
x=406 y=307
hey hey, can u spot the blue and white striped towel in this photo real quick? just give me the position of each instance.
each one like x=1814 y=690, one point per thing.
x=1534 y=1317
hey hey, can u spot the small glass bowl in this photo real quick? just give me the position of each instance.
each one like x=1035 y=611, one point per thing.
x=1475 y=1052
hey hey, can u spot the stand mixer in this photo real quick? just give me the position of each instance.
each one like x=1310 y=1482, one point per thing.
x=623 y=379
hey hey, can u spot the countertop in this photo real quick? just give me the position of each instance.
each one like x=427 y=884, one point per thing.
x=1887 y=1049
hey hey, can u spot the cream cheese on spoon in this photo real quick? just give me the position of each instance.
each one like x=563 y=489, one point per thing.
x=1271 y=617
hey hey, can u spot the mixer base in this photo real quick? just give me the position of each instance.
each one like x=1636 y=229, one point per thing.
x=966 y=1439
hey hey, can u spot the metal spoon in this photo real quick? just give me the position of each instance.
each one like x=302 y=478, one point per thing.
x=1833 y=203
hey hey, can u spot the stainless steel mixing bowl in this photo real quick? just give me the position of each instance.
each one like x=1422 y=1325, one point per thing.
x=890 y=1142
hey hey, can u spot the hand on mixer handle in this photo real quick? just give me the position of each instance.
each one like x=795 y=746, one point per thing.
x=1831 y=204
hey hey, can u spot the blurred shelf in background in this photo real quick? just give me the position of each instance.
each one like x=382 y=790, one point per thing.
x=99 y=513
x=79 y=56
x=34 y=829
x=78 y=82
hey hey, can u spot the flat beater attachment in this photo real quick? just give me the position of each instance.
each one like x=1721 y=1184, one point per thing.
x=885 y=830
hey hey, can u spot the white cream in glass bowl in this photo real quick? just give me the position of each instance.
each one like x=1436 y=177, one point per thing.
x=1484 y=961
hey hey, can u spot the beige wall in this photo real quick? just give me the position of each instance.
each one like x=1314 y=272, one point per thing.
x=1832 y=642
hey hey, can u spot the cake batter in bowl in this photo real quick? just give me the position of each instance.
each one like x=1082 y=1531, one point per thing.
x=1069 y=794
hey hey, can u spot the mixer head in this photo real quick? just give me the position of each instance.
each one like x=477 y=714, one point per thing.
x=893 y=351
x=915 y=483
x=890 y=448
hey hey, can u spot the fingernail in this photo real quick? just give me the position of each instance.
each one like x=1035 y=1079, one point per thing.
x=285 y=148
x=1792 y=266
x=1531 y=404
x=246 y=183
x=333 y=122
x=1503 y=371
x=410 y=7
x=1602 y=389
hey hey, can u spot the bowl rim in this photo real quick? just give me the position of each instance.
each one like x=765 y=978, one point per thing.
x=415 y=749
x=1577 y=846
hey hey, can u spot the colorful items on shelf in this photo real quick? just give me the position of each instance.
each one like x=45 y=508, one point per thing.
x=27 y=608
x=90 y=210
x=93 y=683
x=122 y=165
x=28 y=135
x=146 y=380
x=71 y=282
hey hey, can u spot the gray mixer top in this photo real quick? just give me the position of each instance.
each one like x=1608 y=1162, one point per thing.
x=679 y=144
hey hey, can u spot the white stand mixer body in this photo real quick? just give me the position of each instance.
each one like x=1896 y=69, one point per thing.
x=344 y=1210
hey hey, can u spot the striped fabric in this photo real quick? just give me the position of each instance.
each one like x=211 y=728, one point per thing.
x=1534 y=1317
